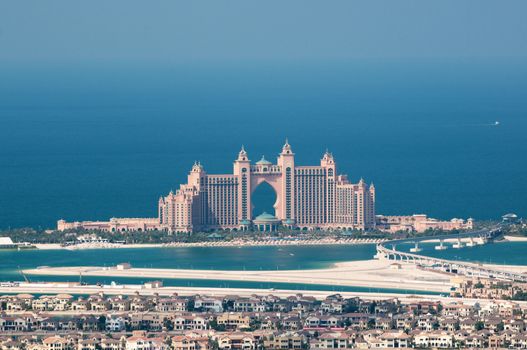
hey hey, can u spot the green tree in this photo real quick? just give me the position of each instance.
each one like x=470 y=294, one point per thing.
x=168 y=324
x=216 y=326
x=371 y=323
x=101 y=323
x=371 y=307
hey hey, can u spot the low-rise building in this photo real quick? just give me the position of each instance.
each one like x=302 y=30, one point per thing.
x=234 y=320
x=171 y=304
x=285 y=341
x=209 y=304
x=237 y=340
x=140 y=341
x=435 y=339
x=419 y=223
x=115 y=323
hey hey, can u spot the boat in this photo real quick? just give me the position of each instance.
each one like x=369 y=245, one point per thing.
x=441 y=246
x=415 y=249
x=458 y=244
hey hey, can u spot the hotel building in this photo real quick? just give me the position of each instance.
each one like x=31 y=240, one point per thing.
x=420 y=223
x=307 y=197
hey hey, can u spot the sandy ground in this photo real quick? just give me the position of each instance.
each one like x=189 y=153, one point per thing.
x=368 y=273
x=465 y=240
x=54 y=246
x=48 y=246
x=234 y=243
x=241 y=243
x=515 y=239
x=449 y=240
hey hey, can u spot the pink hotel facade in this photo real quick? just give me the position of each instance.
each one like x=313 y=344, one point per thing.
x=307 y=197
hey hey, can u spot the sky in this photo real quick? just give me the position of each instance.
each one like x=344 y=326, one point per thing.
x=64 y=31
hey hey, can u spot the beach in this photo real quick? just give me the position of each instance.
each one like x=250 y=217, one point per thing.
x=58 y=288
x=234 y=243
x=515 y=238
x=465 y=240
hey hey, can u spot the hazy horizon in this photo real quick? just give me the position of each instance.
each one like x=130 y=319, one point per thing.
x=178 y=31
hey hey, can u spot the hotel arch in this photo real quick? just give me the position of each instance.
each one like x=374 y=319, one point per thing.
x=308 y=197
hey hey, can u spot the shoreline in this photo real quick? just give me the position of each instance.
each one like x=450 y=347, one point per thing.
x=134 y=289
x=506 y=238
x=130 y=290
x=514 y=239
x=233 y=243
x=246 y=243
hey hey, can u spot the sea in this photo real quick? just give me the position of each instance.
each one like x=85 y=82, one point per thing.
x=100 y=140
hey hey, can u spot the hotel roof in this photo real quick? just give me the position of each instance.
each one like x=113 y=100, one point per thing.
x=266 y=217
x=263 y=161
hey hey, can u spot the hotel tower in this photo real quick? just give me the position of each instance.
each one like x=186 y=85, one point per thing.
x=307 y=197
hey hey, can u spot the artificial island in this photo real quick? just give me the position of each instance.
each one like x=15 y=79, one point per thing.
x=307 y=198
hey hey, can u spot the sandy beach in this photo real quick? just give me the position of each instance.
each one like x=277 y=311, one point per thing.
x=246 y=243
x=514 y=239
x=367 y=273
x=449 y=240
x=233 y=243
x=465 y=240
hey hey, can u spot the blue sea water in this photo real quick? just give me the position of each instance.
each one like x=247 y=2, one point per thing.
x=94 y=141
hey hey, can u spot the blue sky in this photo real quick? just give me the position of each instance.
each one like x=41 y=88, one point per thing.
x=239 y=30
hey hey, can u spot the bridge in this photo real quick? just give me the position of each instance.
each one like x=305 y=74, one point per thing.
x=388 y=250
